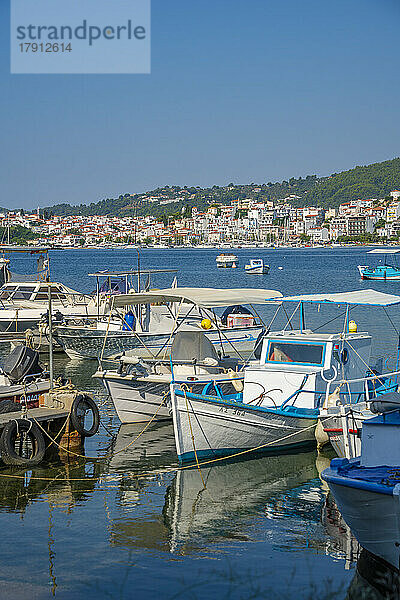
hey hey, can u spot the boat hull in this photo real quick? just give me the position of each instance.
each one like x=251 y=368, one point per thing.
x=79 y=343
x=372 y=517
x=223 y=429
x=136 y=401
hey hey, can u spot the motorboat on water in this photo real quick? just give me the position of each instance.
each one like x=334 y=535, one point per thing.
x=257 y=266
x=227 y=261
x=285 y=394
x=367 y=488
x=382 y=271
x=139 y=388
x=22 y=380
x=145 y=323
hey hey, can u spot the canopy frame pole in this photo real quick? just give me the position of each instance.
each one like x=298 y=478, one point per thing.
x=257 y=314
x=291 y=316
x=219 y=334
x=229 y=341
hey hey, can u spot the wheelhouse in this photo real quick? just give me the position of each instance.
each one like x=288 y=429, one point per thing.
x=36 y=292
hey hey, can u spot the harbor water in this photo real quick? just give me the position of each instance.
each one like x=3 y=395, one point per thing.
x=125 y=522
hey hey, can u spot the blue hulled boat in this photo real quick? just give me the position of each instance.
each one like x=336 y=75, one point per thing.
x=382 y=271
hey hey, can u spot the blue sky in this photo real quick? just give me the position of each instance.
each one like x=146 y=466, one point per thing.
x=240 y=90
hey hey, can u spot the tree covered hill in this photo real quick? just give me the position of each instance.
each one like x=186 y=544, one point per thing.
x=371 y=181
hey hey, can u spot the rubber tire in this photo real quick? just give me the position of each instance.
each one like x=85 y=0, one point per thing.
x=7 y=438
x=75 y=418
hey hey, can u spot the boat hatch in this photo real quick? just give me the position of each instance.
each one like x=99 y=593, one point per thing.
x=300 y=353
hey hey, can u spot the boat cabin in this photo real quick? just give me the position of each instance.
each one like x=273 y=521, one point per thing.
x=35 y=291
x=295 y=366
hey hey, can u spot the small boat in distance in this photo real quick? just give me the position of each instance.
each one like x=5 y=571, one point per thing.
x=382 y=271
x=257 y=266
x=226 y=261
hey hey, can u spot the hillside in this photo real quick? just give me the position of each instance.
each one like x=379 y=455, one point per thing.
x=371 y=181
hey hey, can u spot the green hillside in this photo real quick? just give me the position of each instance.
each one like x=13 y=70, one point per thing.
x=371 y=181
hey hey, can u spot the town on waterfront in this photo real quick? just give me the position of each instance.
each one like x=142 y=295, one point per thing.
x=242 y=222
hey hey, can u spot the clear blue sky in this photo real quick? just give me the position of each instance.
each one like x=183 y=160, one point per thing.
x=240 y=90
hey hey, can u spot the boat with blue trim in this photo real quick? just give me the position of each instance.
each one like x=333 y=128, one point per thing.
x=382 y=271
x=257 y=266
x=367 y=488
x=296 y=376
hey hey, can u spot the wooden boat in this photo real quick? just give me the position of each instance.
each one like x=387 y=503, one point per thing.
x=257 y=266
x=383 y=271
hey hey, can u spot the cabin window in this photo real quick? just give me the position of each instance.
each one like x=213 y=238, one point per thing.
x=292 y=352
x=24 y=293
x=7 y=292
x=43 y=294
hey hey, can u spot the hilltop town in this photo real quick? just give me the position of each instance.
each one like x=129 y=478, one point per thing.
x=240 y=222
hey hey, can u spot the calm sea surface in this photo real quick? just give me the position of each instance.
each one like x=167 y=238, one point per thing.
x=132 y=526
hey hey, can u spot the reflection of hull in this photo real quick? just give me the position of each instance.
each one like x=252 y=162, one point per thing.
x=217 y=428
x=89 y=343
x=154 y=450
x=374 y=575
x=191 y=511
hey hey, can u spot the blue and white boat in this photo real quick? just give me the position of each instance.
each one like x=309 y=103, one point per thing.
x=382 y=271
x=257 y=266
x=367 y=488
x=284 y=392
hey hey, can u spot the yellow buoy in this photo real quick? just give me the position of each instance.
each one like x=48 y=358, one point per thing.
x=206 y=324
x=352 y=327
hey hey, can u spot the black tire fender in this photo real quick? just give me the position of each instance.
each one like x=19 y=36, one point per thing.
x=8 y=441
x=84 y=402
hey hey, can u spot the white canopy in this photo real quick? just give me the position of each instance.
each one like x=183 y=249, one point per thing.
x=361 y=297
x=204 y=297
x=384 y=251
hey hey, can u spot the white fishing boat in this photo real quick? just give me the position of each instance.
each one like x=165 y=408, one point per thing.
x=139 y=386
x=144 y=323
x=227 y=261
x=367 y=488
x=284 y=394
x=257 y=266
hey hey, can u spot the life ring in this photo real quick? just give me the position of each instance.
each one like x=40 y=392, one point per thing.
x=22 y=443
x=83 y=404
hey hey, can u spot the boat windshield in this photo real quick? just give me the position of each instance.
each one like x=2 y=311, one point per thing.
x=295 y=352
x=24 y=292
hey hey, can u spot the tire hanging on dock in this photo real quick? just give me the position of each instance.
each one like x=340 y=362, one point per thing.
x=22 y=443
x=82 y=404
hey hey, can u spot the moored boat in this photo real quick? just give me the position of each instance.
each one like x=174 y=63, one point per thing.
x=227 y=261
x=383 y=271
x=257 y=266
x=367 y=489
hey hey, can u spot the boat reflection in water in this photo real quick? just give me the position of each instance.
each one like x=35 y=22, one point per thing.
x=374 y=579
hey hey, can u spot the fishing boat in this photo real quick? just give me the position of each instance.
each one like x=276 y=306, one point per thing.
x=139 y=387
x=144 y=323
x=382 y=271
x=367 y=488
x=227 y=261
x=257 y=265
x=284 y=393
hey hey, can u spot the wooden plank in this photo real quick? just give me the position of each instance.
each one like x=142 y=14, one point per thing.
x=40 y=414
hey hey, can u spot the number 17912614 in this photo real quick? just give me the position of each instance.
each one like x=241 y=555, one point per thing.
x=44 y=47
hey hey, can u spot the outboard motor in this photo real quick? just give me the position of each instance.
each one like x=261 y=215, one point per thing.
x=21 y=363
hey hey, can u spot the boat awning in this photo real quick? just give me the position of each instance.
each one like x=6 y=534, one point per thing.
x=204 y=297
x=384 y=251
x=361 y=297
